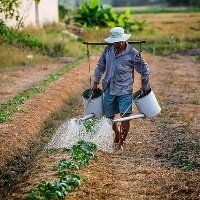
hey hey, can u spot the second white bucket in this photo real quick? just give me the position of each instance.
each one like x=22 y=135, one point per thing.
x=93 y=105
x=147 y=105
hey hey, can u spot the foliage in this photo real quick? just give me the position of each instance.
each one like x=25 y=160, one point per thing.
x=14 y=38
x=20 y=40
x=63 y=13
x=93 y=14
x=158 y=36
x=140 y=25
x=9 y=9
x=82 y=152
x=69 y=180
x=65 y=167
x=56 y=190
x=37 y=1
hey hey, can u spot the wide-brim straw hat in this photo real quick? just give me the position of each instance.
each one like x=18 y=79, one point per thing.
x=117 y=35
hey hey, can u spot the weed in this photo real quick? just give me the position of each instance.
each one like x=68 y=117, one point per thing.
x=194 y=101
x=188 y=165
x=49 y=126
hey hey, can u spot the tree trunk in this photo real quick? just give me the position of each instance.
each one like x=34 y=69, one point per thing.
x=37 y=22
x=77 y=3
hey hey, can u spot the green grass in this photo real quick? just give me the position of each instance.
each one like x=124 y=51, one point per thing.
x=12 y=56
x=159 y=9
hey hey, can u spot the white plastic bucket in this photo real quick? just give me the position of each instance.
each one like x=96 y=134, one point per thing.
x=93 y=105
x=147 y=105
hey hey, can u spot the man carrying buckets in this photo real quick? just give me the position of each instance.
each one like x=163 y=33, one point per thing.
x=117 y=63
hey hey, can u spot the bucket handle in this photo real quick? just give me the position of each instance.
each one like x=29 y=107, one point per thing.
x=133 y=98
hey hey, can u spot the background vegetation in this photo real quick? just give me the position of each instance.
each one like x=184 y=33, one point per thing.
x=30 y=45
x=153 y=2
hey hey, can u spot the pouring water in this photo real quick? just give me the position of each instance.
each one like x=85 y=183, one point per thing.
x=74 y=130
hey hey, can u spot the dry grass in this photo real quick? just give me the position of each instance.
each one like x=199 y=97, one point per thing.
x=181 y=25
x=170 y=28
x=12 y=56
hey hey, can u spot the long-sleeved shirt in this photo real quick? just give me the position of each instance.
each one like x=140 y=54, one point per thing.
x=118 y=70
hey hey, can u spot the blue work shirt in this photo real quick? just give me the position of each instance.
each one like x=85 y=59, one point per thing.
x=118 y=70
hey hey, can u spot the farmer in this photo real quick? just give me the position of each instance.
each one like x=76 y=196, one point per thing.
x=117 y=63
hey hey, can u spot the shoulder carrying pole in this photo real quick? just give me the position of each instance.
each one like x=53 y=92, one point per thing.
x=105 y=43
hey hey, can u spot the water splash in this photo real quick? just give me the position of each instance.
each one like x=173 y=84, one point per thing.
x=102 y=135
x=67 y=135
x=74 y=130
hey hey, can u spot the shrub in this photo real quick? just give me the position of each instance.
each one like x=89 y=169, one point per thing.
x=93 y=14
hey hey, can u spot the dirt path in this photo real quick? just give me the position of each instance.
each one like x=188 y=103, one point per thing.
x=148 y=166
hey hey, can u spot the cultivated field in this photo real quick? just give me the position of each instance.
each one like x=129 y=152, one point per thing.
x=161 y=159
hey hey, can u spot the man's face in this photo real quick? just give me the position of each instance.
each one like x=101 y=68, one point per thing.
x=117 y=45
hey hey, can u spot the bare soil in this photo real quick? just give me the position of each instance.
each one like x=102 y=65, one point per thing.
x=149 y=166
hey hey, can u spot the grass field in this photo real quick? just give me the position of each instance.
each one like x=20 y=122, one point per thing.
x=165 y=33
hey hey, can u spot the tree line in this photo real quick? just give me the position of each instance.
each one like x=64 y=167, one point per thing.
x=120 y=3
x=183 y=2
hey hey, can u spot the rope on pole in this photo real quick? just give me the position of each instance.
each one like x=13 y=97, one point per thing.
x=88 y=55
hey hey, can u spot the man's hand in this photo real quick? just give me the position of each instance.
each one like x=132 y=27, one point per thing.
x=95 y=87
x=146 y=91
